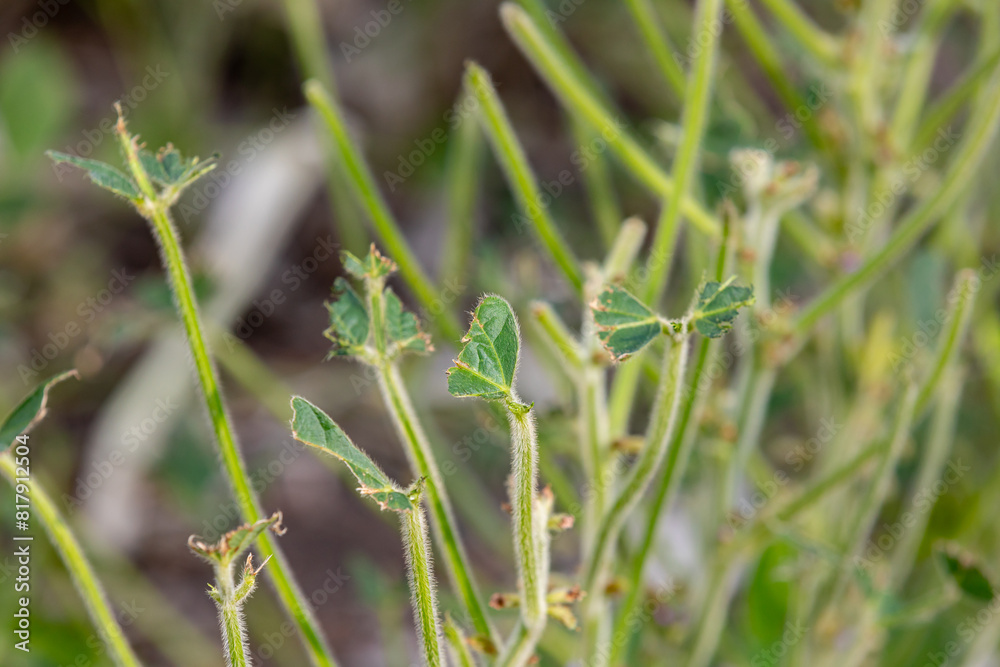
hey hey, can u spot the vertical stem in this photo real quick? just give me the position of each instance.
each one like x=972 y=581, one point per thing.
x=290 y=595
x=234 y=634
x=464 y=161
x=79 y=568
x=648 y=23
x=658 y=438
x=528 y=547
x=421 y=456
x=510 y=154
x=418 y=565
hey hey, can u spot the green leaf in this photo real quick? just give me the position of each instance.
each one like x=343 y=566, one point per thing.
x=485 y=366
x=965 y=572
x=349 y=323
x=374 y=265
x=169 y=168
x=153 y=167
x=29 y=411
x=403 y=328
x=718 y=305
x=624 y=324
x=313 y=427
x=232 y=545
x=101 y=174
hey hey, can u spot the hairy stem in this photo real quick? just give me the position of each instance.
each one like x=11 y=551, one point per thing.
x=416 y=544
x=533 y=571
x=421 y=456
x=290 y=595
x=76 y=563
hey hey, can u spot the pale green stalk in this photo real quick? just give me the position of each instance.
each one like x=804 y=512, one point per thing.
x=659 y=435
x=762 y=47
x=948 y=104
x=305 y=25
x=698 y=97
x=674 y=467
x=722 y=582
x=817 y=42
x=598 y=183
x=291 y=597
x=416 y=546
x=461 y=654
x=959 y=315
x=977 y=143
x=463 y=171
x=648 y=24
x=76 y=563
x=510 y=154
x=576 y=96
x=932 y=463
x=234 y=632
x=558 y=337
x=371 y=200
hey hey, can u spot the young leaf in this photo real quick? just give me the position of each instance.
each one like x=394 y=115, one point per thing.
x=485 y=366
x=965 y=572
x=101 y=174
x=402 y=326
x=374 y=264
x=718 y=305
x=232 y=545
x=29 y=411
x=349 y=323
x=624 y=324
x=312 y=426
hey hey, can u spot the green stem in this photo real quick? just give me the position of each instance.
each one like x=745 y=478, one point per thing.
x=464 y=162
x=652 y=33
x=371 y=200
x=180 y=282
x=234 y=634
x=565 y=82
x=598 y=183
x=76 y=563
x=818 y=43
x=698 y=96
x=519 y=648
x=460 y=652
x=528 y=548
x=510 y=154
x=422 y=462
x=978 y=142
x=662 y=426
x=418 y=565
x=762 y=46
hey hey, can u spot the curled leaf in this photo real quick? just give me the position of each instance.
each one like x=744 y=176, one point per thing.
x=717 y=307
x=624 y=324
x=487 y=362
x=30 y=410
x=313 y=427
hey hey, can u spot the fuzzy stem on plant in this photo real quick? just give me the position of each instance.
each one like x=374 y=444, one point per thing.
x=416 y=545
x=180 y=283
x=645 y=19
x=420 y=453
x=79 y=568
x=529 y=524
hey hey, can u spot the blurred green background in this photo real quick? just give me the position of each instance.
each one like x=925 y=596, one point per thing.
x=127 y=448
